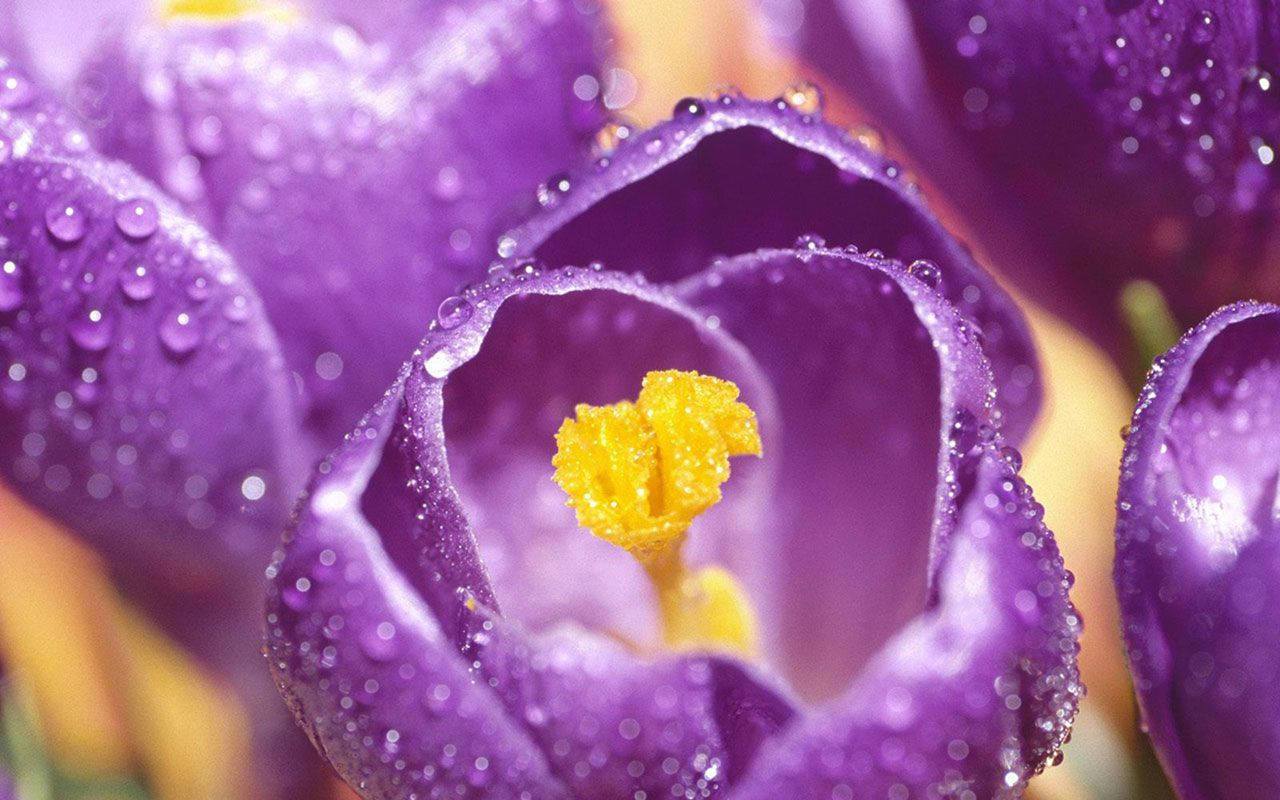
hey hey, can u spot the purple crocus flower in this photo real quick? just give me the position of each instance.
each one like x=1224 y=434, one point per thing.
x=172 y=359
x=1087 y=142
x=441 y=626
x=1198 y=555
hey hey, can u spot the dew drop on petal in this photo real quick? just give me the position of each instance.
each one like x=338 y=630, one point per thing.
x=926 y=272
x=65 y=222
x=137 y=282
x=689 y=107
x=10 y=287
x=91 y=329
x=1204 y=29
x=454 y=311
x=137 y=218
x=180 y=333
x=16 y=90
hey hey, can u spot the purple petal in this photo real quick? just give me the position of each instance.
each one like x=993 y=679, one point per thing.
x=728 y=176
x=12 y=47
x=356 y=191
x=382 y=608
x=144 y=402
x=975 y=695
x=1198 y=555
x=885 y=411
x=1089 y=142
x=6 y=786
x=844 y=343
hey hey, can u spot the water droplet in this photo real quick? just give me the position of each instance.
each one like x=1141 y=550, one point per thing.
x=137 y=218
x=10 y=287
x=268 y=144
x=506 y=246
x=16 y=90
x=137 y=283
x=803 y=97
x=1204 y=28
x=454 y=311
x=689 y=107
x=65 y=222
x=926 y=272
x=810 y=241
x=91 y=329
x=206 y=136
x=200 y=288
x=180 y=334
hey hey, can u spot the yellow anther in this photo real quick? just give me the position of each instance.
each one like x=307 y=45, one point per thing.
x=637 y=474
x=207 y=8
x=221 y=10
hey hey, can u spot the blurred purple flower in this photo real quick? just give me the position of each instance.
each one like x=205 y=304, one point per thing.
x=1086 y=142
x=1198 y=556
x=919 y=637
x=173 y=359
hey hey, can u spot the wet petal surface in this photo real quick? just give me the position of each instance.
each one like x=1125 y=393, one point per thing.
x=1121 y=138
x=356 y=186
x=1198 y=554
x=728 y=176
x=388 y=533
x=128 y=339
x=381 y=604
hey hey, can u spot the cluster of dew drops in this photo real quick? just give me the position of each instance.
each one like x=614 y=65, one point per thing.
x=123 y=241
x=1176 y=115
x=1046 y=679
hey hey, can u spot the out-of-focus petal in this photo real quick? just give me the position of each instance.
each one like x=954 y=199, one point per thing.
x=978 y=690
x=1198 y=554
x=356 y=187
x=144 y=402
x=728 y=176
x=60 y=37
x=383 y=626
x=1088 y=142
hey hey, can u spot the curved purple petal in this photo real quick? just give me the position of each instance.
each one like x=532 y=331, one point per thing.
x=144 y=402
x=887 y=435
x=974 y=696
x=842 y=341
x=1198 y=555
x=728 y=176
x=357 y=188
x=382 y=607
x=1090 y=142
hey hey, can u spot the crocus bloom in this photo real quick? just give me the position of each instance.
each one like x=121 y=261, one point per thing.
x=171 y=359
x=1087 y=142
x=441 y=625
x=1198 y=556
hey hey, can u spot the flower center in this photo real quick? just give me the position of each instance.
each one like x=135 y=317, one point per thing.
x=638 y=473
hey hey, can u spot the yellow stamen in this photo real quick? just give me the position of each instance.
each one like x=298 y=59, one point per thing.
x=223 y=10
x=637 y=474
